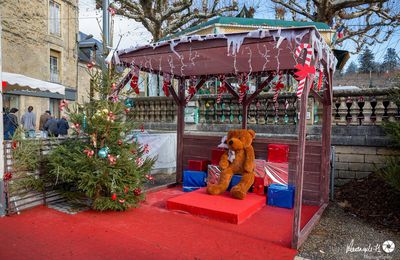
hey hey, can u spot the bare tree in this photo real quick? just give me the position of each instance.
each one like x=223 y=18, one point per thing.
x=164 y=17
x=365 y=21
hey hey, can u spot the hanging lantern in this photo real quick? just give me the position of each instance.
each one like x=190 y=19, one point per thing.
x=103 y=152
x=129 y=102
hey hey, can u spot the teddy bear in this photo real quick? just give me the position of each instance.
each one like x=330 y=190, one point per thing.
x=239 y=159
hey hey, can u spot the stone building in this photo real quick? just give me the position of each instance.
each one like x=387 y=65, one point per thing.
x=39 y=42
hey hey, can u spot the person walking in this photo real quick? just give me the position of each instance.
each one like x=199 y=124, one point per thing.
x=51 y=127
x=10 y=122
x=42 y=121
x=28 y=122
x=63 y=127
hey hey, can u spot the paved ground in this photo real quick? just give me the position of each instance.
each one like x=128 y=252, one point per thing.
x=339 y=233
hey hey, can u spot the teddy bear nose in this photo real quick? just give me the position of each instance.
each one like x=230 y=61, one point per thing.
x=230 y=142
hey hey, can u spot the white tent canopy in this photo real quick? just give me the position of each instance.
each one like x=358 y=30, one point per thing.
x=21 y=82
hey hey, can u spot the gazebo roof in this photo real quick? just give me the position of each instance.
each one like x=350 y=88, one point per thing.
x=214 y=54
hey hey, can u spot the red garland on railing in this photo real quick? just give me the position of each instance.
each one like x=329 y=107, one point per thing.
x=222 y=88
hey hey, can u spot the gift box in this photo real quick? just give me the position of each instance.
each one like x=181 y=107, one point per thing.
x=258 y=185
x=281 y=196
x=193 y=180
x=278 y=153
x=216 y=154
x=213 y=173
x=197 y=165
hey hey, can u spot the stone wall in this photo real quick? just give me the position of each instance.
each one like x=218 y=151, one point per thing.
x=355 y=162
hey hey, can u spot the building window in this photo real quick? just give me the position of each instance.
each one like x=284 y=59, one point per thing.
x=54 y=20
x=54 y=107
x=54 y=69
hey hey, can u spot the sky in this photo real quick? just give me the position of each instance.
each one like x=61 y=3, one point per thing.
x=133 y=33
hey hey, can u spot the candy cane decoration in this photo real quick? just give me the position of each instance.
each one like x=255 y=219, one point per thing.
x=321 y=75
x=243 y=88
x=192 y=90
x=303 y=72
x=222 y=88
x=278 y=86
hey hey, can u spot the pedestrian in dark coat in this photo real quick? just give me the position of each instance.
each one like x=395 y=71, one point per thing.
x=10 y=122
x=63 y=126
x=51 y=127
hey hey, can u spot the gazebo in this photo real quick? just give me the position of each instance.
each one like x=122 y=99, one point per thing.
x=188 y=62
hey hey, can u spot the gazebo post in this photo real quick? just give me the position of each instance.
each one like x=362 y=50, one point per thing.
x=245 y=106
x=326 y=140
x=300 y=165
x=180 y=129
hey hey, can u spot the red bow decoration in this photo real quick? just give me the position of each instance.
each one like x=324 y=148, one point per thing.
x=7 y=176
x=192 y=90
x=303 y=71
x=165 y=88
x=134 y=84
x=63 y=104
x=243 y=88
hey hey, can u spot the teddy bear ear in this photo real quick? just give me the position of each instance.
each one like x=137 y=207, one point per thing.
x=252 y=133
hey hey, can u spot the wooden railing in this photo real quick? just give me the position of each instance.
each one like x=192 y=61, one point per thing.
x=350 y=107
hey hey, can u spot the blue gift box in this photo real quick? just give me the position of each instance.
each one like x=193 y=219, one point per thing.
x=281 y=196
x=193 y=180
x=234 y=181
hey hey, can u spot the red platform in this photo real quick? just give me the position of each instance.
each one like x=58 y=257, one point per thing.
x=223 y=207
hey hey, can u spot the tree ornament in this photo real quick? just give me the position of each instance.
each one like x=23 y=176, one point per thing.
x=142 y=128
x=114 y=98
x=113 y=86
x=90 y=65
x=103 y=152
x=126 y=189
x=129 y=102
x=303 y=70
x=134 y=151
x=112 y=159
x=139 y=161
x=114 y=196
x=127 y=110
x=121 y=201
x=7 y=176
x=134 y=84
x=120 y=142
x=94 y=139
x=146 y=148
x=110 y=116
x=149 y=177
x=89 y=153
x=84 y=121
x=111 y=10
x=14 y=144
x=137 y=191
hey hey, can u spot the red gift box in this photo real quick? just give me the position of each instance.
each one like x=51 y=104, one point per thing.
x=216 y=154
x=197 y=165
x=278 y=153
x=258 y=185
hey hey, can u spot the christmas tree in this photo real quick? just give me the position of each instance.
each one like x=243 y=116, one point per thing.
x=100 y=163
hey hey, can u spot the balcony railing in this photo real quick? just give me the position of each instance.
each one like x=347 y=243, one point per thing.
x=350 y=107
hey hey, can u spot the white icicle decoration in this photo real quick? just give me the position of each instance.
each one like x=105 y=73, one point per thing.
x=236 y=41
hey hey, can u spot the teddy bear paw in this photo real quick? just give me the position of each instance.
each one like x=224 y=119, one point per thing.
x=237 y=193
x=214 y=190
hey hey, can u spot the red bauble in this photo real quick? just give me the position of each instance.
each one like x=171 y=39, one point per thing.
x=126 y=189
x=137 y=191
x=120 y=142
x=14 y=145
x=127 y=110
x=114 y=196
x=7 y=176
x=121 y=201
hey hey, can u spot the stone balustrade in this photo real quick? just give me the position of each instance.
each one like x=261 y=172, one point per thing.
x=350 y=107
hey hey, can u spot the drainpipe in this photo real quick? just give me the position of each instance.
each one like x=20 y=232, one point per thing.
x=2 y=158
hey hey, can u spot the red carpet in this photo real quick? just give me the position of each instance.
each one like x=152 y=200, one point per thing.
x=149 y=232
x=223 y=208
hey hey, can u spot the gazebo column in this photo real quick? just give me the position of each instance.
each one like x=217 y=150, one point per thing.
x=245 y=108
x=326 y=141
x=300 y=165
